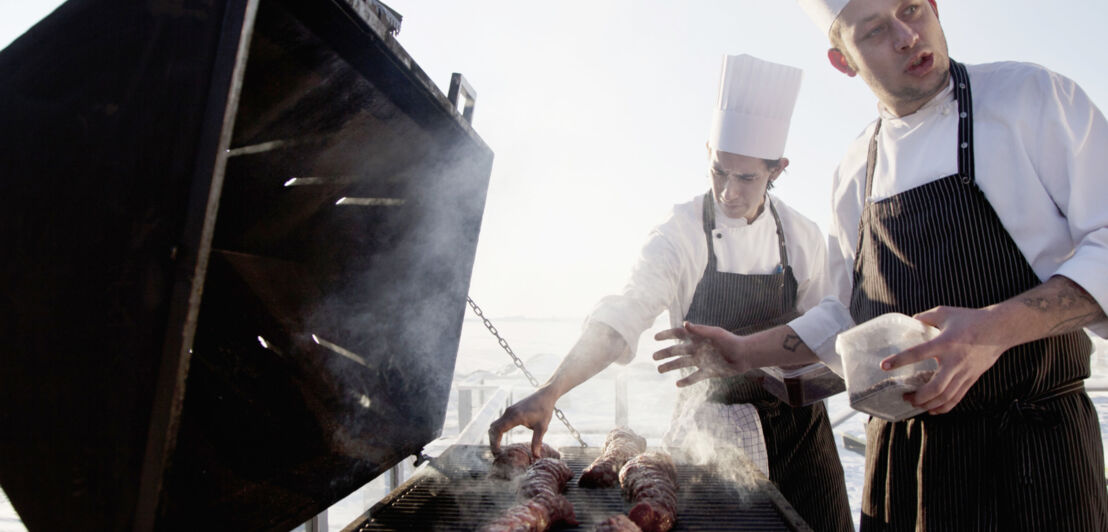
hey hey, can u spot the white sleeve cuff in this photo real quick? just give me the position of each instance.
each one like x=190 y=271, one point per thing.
x=1089 y=276
x=819 y=327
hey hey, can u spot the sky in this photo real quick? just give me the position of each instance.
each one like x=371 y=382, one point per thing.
x=598 y=112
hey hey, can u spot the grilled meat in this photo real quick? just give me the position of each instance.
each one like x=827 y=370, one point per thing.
x=513 y=459
x=536 y=514
x=617 y=523
x=649 y=481
x=621 y=445
x=547 y=475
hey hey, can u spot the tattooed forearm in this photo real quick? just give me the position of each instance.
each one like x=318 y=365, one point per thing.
x=1068 y=296
x=1066 y=302
x=1076 y=322
x=792 y=342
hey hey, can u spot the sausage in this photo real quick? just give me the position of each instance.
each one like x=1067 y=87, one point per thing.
x=621 y=445
x=513 y=459
x=649 y=481
x=536 y=514
x=617 y=523
x=547 y=475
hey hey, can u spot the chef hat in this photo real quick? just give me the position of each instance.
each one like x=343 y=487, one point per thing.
x=823 y=12
x=756 y=100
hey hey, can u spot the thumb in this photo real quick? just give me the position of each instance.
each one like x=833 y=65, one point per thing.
x=933 y=317
x=708 y=332
x=699 y=330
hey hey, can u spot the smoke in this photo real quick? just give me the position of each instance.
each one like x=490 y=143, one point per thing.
x=369 y=195
x=396 y=299
x=725 y=440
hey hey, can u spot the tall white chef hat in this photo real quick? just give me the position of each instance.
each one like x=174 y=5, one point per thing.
x=823 y=12
x=756 y=100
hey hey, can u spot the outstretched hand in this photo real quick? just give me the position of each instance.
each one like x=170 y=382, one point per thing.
x=533 y=412
x=964 y=350
x=711 y=351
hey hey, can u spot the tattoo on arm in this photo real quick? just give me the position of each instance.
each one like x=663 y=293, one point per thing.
x=1070 y=303
x=791 y=342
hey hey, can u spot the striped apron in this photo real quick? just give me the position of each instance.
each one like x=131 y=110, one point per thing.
x=1022 y=450
x=803 y=460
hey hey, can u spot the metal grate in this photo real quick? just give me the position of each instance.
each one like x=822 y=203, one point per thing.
x=454 y=494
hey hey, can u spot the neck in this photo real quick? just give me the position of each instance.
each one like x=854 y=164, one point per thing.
x=901 y=108
x=757 y=212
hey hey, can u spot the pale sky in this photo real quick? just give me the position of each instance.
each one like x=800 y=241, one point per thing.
x=598 y=112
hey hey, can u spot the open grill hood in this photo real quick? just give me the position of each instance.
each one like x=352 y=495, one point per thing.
x=198 y=329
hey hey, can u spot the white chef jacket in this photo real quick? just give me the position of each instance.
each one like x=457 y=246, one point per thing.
x=673 y=259
x=1041 y=155
x=665 y=276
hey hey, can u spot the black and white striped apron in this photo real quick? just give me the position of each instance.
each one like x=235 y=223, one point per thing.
x=1022 y=450
x=803 y=461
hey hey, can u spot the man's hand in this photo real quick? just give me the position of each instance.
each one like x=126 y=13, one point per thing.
x=533 y=412
x=965 y=349
x=712 y=351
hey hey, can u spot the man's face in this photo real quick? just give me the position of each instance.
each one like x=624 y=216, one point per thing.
x=899 y=49
x=739 y=183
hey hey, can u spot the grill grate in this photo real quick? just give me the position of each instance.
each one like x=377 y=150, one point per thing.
x=454 y=494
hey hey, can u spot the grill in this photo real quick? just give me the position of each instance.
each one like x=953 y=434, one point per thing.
x=454 y=493
x=225 y=211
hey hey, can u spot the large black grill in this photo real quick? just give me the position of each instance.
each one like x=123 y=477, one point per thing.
x=454 y=493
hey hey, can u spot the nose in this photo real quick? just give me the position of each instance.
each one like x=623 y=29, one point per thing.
x=731 y=190
x=906 y=36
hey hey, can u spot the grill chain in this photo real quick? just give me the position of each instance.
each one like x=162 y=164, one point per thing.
x=519 y=364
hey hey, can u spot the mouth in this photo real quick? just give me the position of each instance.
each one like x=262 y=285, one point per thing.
x=921 y=65
x=727 y=204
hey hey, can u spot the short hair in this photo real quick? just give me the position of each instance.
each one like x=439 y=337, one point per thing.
x=836 y=36
x=771 y=164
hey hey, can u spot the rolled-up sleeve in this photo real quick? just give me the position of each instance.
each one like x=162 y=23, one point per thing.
x=1071 y=153
x=820 y=326
x=658 y=277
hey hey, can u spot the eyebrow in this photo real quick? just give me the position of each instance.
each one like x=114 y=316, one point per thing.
x=867 y=20
x=741 y=174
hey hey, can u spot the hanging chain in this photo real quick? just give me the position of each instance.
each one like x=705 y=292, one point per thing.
x=519 y=364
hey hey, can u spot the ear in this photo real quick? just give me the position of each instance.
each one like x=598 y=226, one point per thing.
x=935 y=7
x=838 y=60
x=780 y=168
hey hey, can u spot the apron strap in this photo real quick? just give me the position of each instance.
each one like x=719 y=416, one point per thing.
x=709 y=220
x=1032 y=411
x=966 y=168
x=782 y=251
x=965 y=121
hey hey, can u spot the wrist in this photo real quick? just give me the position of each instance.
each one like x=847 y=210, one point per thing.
x=1006 y=325
x=553 y=389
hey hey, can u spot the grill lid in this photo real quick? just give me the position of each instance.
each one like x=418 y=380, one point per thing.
x=197 y=329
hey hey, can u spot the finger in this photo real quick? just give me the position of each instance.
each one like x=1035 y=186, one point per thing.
x=694 y=378
x=948 y=396
x=671 y=351
x=909 y=356
x=672 y=365
x=494 y=437
x=672 y=334
x=709 y=332
x=934 y=388
x=953 y=402
x=536 y=440
x=934 y=316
